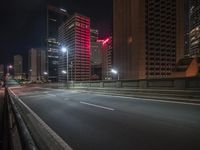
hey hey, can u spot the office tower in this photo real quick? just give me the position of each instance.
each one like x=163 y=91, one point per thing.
x=1 y=71
x=55 y=17
x=53 y=48
x=148 y=37
x=186 y=29
x=96 y=55
x=18 y=66
x=74 y=62
x=37 y=65
x=194 y=27
x=107 y=58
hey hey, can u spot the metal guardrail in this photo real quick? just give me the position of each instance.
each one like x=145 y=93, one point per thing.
x=19 y=137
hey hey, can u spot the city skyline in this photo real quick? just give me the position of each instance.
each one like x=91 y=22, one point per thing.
x=26 y=28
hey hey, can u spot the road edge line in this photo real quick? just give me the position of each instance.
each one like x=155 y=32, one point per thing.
x=51 y=131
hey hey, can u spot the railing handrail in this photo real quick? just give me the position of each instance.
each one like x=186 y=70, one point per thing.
x=26 y=139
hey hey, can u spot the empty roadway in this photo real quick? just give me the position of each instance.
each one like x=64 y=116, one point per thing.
x=88 y=121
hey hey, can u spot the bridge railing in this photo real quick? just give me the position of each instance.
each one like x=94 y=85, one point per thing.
x=27 y=131
x=18 y=135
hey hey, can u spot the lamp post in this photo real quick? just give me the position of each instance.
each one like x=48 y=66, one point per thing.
x=115 y=72
x=65 y=50
x=45 y=75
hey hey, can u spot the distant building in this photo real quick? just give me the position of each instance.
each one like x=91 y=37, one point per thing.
x=37 y=65
x=107 y=58
x=55 y=17
x=74 y=34
x=18 y=67
x=148 y=37
x=96 y=55
x=187 y=67
x=194 y=27
x=1 y=71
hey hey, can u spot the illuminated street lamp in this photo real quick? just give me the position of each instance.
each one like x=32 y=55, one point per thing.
x=64 y=72
x=115 y=72
x=45 y=73
x=65 y=50
x=8 y=69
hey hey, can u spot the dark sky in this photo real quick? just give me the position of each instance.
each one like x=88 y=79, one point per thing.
x=22 y=23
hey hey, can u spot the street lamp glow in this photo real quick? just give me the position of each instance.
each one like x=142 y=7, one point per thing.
x=64 y=72
x=45 y=73
x=10 y=66
x=63 y=10
x=64 y=49
x=114 y=71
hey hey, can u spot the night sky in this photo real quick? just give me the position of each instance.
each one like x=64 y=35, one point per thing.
x=22 y=24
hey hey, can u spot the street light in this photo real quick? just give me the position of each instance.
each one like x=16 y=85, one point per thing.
x=9 y=67
x=65 y=50
x=45 y=73
x=115 y=72
x=64 y=72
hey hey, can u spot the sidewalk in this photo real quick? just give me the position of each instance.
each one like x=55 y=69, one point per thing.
x=1 y=115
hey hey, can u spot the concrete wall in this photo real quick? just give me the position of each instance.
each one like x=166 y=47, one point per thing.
x=170 y=83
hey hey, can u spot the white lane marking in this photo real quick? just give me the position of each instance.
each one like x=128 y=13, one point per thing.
x=51 y=132
x=153 y=100
x=51 y=95
x=103 y=107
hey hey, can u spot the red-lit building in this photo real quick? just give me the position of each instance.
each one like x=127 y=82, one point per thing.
x=74 y=34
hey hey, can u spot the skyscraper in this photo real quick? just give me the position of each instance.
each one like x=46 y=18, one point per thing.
x=194 y=27
x=55 y=17
x=37 y=65
x=74 y=63
x=107 y=58
x=148 y=37
x=96 y=55
x=18 y=66
x=186 y=29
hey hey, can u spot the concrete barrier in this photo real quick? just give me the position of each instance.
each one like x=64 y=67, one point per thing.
x=169 y=83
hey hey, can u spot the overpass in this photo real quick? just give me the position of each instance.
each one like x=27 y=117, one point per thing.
x=98 y=118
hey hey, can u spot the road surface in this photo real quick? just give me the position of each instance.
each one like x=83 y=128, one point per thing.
x=88 y=121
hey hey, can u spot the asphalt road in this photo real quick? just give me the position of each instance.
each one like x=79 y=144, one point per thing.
x=88 y=121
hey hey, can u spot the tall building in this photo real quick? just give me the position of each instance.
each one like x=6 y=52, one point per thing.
x=53 y=48
x=18 y=67
x=55 y=17
x=148 y=37
x=194 y=27
x=186 y=29
x=37 y=65
x=96 y=55
x=74 y=34
x=107 y=58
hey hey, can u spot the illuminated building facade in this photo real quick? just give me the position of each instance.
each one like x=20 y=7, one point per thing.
x=107 y=58
x=194 y=35
x=53 y=48
x=37 y=67
x=18 y=66
x=148 y=37
x=55 y=17
x=74 y=34
x=96 y=55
